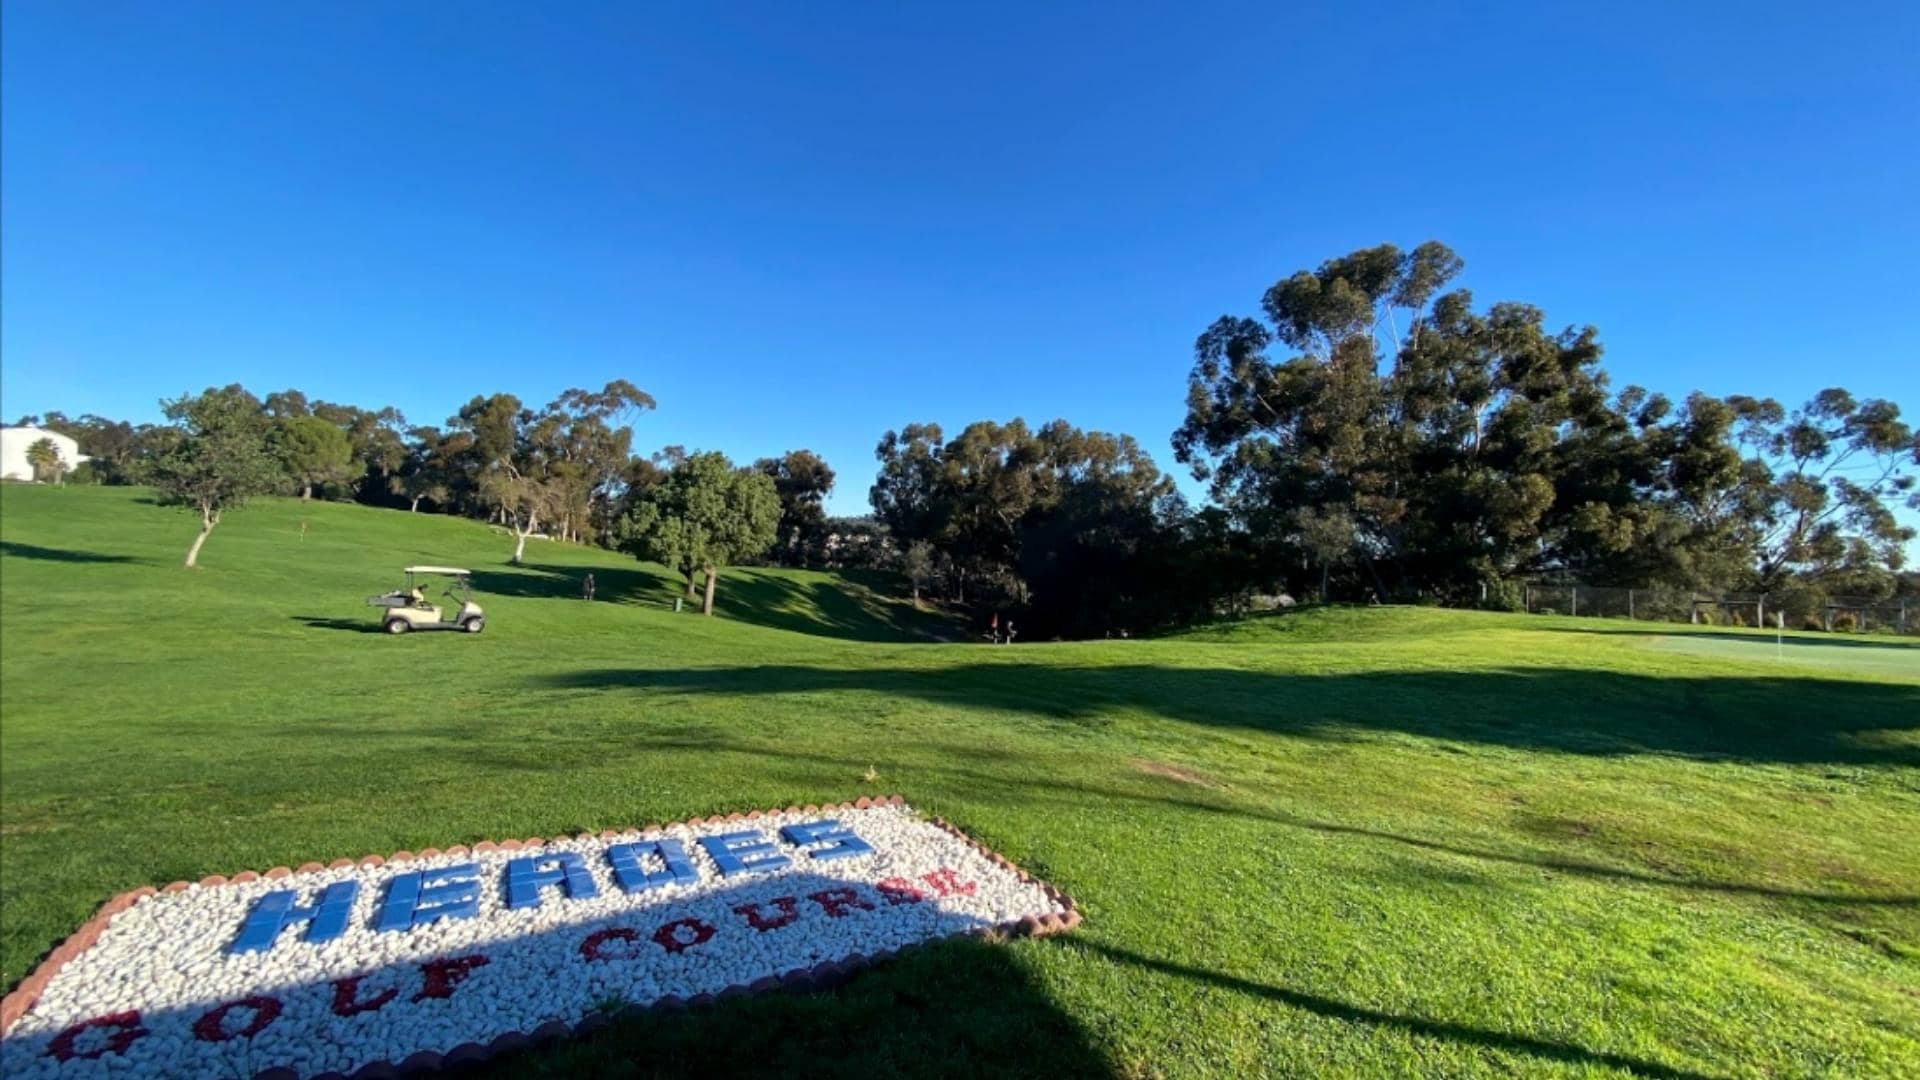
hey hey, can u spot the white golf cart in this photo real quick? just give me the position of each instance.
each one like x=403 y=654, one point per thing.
x=410 y=609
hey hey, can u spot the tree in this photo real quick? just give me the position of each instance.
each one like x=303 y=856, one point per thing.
x=1819 y=480
x=428 y=471
x=1478 y=445
x=918 y=563
x=377 y=441
x=315 y=453
x=554 y=466
x=802 y=479
x=1056 y=522
x=43 y=457
x=705 y=514
x=221 y=457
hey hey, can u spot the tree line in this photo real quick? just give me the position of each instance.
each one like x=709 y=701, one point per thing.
x=1372 y=434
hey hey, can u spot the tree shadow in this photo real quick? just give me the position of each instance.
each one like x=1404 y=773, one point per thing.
x=851 y=606
x=1588 y=712
x=34 y=551
x=555 y=752
x=1506 y=1042
x=638 y=584
x=1792 y=639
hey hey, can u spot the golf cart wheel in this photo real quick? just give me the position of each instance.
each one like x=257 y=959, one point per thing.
x=474 y=626
x=396 y=626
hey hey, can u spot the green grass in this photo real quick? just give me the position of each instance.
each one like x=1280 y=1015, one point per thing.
x=1384 y=842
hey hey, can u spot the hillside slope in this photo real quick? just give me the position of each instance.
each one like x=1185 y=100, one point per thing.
x=330 y=556
x=1366 y=843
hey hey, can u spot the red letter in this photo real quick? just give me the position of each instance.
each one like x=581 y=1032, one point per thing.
x=898 y=890
x=212 y=1026
x=128 y=1022
x=947 y=883
x=590 y=948
x=669 y=935
x=347 y=989
x=443 y=975
x=835 y=902
x=760 y=922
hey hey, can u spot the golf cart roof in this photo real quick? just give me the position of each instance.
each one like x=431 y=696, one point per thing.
x=437 y=570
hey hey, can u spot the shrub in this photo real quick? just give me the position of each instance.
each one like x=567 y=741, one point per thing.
x=1505 y=596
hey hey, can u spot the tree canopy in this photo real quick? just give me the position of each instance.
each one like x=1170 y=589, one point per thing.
x=1372 y=431
x=702 y=516
x=220 y=459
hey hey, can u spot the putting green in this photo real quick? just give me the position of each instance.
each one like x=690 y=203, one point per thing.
x=1896 y=658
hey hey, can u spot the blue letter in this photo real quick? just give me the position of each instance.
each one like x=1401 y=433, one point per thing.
x=734 y=853
x=525 y=877
x=633 y=877
x=845 y=844
x=416 y=899
x=326 y=918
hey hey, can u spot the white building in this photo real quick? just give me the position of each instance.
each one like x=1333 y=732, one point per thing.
x=13 y=450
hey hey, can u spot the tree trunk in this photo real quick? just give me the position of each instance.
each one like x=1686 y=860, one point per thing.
x=414 y=506
x=691 y=592
x=519 y=546
x=306 y=493
x=207 y=522
x=706 y=605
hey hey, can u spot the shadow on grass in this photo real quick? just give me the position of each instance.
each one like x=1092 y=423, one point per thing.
x=850 y=605
x=1602 y=713
x=956 y=1009
x=1792 y=639
x=34 y=551
x=358 y=626
x=1356 y=1014
x=1069 y=794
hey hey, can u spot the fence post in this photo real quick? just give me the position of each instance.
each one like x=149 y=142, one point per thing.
x=1760 y=611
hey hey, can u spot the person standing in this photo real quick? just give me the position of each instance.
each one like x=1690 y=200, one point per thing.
x=586 y=587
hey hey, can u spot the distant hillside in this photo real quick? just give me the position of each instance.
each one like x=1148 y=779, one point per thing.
x=339 y=553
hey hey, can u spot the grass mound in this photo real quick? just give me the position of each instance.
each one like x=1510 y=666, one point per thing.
x=1409 y=842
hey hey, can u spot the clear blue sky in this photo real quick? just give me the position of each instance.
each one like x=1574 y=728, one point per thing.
x=799 y=225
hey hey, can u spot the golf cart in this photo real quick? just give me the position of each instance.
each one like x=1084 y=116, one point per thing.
x=409 y=609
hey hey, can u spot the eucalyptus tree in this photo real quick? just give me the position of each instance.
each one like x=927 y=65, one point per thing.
x=547 y=467
x=803 y=480
x=1427 y=442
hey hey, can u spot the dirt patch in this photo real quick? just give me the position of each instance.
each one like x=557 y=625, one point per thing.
x=1175 y=772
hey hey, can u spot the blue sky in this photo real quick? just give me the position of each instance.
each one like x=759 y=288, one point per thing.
x=799 y=225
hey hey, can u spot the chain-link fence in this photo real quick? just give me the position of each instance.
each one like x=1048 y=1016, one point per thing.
x=1800 y=610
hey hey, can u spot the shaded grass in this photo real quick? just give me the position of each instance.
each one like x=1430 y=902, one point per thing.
x=1431 y=843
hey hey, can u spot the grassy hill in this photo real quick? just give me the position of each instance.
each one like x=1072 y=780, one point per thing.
x=1344 y=842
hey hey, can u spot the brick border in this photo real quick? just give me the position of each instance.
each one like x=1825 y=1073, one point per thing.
x=827 y=973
